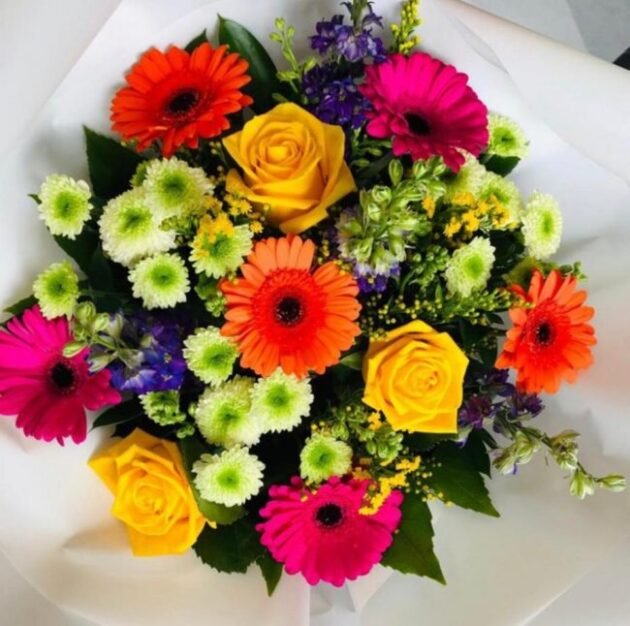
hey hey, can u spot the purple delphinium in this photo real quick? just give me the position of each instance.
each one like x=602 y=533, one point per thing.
x=333 y=97
x=353 y=43
x=156 y=361
x=497 y=397
x=370 y=281
x=475 y=409
x=331 y=87
x=326 y=35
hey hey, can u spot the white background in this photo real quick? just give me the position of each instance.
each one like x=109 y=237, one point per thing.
x=40 y=41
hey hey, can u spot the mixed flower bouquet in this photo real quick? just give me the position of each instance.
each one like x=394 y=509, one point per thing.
x=288 y=287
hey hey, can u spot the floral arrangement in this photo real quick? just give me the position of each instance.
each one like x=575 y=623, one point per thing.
x=288 y=287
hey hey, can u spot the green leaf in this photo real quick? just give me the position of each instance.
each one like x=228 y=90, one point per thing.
x=230 y=548
x=271 y=571
x=476 y=450
x=197 y=41
x=123 y=412
x=354 y=361
x=261 y=68
x=412 y=549
x=111 y=164
x=423 y=442
x=456 y=476
x=500 y=165
x=99 y=272
x=81 y=249
x=19 y=307
x=192 y=448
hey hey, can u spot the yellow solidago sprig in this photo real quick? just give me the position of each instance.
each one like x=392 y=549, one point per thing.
x=384 y=486
x=405 y=39
x=469 y=215
x=219 y=247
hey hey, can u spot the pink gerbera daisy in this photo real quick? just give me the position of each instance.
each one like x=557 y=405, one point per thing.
x=427 y=108
x=322 y=534
x=47 y=391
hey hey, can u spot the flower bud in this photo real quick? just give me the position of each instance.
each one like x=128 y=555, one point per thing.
x=101 y=322
x=582 y=485
x=84 y=313
x=395 y=171
x=613 y=482
x=73 y=348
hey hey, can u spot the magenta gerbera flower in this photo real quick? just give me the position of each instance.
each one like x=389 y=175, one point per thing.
x=426 y=107
x=47 y=391
x=321 y=533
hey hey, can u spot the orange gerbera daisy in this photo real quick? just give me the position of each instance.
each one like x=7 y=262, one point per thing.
x=551 y=340
x=283 y=314
x=177 y=97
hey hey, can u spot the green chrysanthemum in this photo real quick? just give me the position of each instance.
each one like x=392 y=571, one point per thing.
x=280 y=401
x=542 y=225
x=162 y=407
x=224 y=415
x=210 y=356
x=507 y=138
x=140 y=174
x=506 y=193
x=56 y=290
x=130 y=229
x=175 y=188
x=220 y=247
x=470 y=266
x=161 y=281
x=468 y=180
x=64 y=205
x=230 y=478
x=324 y=456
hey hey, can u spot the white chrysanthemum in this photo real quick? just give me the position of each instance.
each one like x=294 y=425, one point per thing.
x=467 y=181
x=507 y=138
x=224 y=415
x=56 y=290
x=210 y=355
x=281 y=400
x=219 y=251
x=174 y=188
x=469 y=268
x=64 y=205
x=542 y=225
x=130 y=229
x=506 y=193
x=230 y=478
x=324 y=456
x=160 y=281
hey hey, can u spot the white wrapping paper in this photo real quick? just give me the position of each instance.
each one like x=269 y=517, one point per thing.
x=55 y=525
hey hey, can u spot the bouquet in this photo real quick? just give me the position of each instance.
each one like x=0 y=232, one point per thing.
x=287 y=289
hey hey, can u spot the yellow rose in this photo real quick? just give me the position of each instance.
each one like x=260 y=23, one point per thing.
x=415 y=376
x=152 y=495
x=292 y=163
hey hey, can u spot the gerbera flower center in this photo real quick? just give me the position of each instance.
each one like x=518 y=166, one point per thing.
x=418 y=125
x=289 y=311
x=183 y=102
x=63 y=377
x=544 y=333
x=329 y=515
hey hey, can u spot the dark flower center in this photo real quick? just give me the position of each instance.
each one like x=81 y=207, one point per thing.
x=63 y=377
x=183 y=102
x=329 y=515
x=544 y=334
x=289 y=311
x=417 y=124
